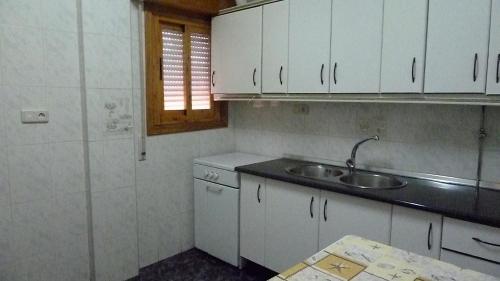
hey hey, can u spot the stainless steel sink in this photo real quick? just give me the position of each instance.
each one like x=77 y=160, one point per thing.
x=320 y=172
x=372 y=181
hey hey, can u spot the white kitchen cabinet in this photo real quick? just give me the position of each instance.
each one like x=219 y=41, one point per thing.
x=494 y=51
x=416 y=231
x=237 y=52
x=291 y=224
x=343 y=215
x=457 y=46
x=216 y=220
x=309 y=46
x=356 y=46
x=275 y=47
x=253 y=218
x=403 y=49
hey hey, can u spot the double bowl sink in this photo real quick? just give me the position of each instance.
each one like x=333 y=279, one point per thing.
x=358 y=179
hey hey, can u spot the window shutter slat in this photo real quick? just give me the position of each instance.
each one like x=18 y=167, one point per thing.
x=200 y=71
x=173 y=69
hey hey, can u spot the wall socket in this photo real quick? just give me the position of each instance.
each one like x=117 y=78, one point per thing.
x=34 y=116
x=301 y=108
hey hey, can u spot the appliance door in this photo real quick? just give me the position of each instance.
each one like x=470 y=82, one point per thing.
x=216 y=215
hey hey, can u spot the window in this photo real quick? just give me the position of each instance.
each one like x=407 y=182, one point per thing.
x=178 y=75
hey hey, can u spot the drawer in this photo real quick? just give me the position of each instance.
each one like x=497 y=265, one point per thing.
x=216 y=175
x=465 y=237
x=471 y=263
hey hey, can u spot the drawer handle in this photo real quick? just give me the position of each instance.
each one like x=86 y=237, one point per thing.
x=214 y=189
x=311 y=207
x=324 y=209
x=484 y=242
x=429 y=237
x=253 y=77
x=258 y=194
x=335 y=74
x=213 y=80
x=321 y=73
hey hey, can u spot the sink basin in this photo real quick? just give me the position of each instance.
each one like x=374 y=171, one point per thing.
x=372 y=181
x=320 y=172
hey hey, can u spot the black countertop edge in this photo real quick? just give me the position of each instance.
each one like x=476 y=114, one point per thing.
x=450 y=200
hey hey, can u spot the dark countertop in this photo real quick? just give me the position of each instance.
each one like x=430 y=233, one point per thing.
x=451 y=200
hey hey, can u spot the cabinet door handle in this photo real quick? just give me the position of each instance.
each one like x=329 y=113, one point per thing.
x=258 y=194
x=254 y=72
x=214 y=189
x=324 y=209
x=213 y=81
x=335 y=74
x=498 y=69
x=281 y=72
x=429 y=237
x=413 y=70
x=321 y=74
x=484 y=242
x=475 y=68
x=311 y=207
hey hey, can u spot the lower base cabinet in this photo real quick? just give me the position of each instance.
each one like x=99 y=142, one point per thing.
x=343 y=215
x=416 y=231
x=292 y=213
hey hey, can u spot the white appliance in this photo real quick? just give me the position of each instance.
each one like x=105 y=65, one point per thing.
x=217 y=203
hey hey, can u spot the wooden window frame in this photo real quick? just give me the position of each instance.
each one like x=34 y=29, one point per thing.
x=160 y=121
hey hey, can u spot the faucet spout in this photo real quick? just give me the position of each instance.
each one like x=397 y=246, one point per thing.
x=351 y=162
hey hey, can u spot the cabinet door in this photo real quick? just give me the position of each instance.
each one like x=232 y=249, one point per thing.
x=252 y=218
x=416 y=231
x=237 y=52
x=309 y=50
x=343 y=215
x=216 y=229
x=470 y=262
x=275 y=48
x=356 y=46
x=403 y=50
x=291 y=224
x=457 y=46
x=494 y=61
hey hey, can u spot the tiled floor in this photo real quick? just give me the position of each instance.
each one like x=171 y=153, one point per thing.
x=195 y=265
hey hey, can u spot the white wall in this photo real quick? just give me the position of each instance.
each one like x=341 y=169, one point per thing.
x=436 y=139
x=43 y=224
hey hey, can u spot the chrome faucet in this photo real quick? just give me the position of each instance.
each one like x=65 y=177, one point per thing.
x=351 y=162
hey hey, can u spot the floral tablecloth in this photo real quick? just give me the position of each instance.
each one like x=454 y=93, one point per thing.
x=358 y=259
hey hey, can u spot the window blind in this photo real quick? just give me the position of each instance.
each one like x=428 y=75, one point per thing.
x=173 y=69
x=200 y=71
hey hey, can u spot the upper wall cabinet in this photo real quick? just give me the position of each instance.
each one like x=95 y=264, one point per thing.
x=275 y=48
x=494 y=61
x=457 y=46
x=237 y=52
x=309 y=46
x=356 y=46
x=403 y=50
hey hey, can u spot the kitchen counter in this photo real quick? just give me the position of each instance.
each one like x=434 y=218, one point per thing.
x=358 y=259
x=451 y=200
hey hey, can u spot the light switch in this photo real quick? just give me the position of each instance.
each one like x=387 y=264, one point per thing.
x=34 y=116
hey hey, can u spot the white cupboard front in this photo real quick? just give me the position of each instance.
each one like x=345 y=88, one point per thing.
x=309 y=46
x=275 y=48
x=237 y=52
x=292 y=213
x=403 y=50
x=416 y=231
x=343 y=215
x=457 y=46
x=493 y=86
x=356 y=46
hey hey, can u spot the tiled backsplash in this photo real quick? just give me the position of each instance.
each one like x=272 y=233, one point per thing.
x=435 y=139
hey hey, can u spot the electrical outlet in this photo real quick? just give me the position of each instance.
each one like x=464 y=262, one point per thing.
x=301 y=108
x=34 y=116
